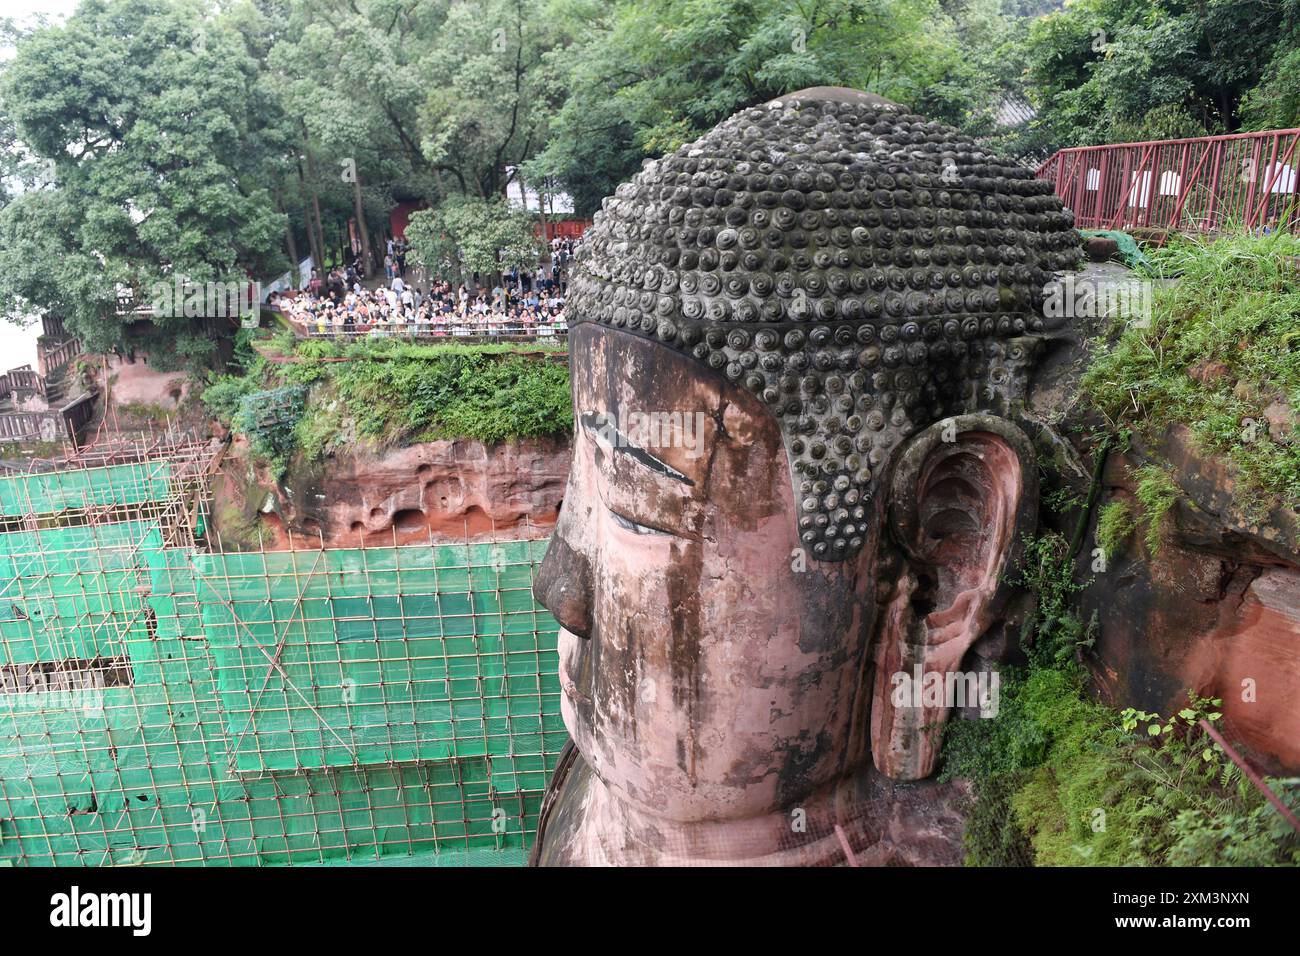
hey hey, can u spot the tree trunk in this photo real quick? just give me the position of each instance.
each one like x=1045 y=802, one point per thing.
x=541 y=210
x=290 y=243
x=313 y=236
x=315 y=219
x=363 y=231
x=291 y=246
x=317 y=256
x=380 y=246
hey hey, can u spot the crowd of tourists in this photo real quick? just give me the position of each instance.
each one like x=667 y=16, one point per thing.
x=527 y=303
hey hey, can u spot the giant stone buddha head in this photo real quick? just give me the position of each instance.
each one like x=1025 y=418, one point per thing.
x=798 y=346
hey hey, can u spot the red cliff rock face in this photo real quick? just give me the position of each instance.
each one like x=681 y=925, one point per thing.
x=1216 y=611
x=138 y=383
x=441 y=491
x=1217 y=606
x=1252 y=661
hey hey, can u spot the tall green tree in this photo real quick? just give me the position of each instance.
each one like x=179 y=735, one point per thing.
x=466 y=236
x=491 y=90
x=351 y=74
x=643 y=78
x=148 y=113
x=1115 y=70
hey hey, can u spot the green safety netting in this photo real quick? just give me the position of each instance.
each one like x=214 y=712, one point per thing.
x=72 y=592
x=55 y=491
x=333 y=658
x=412 y=714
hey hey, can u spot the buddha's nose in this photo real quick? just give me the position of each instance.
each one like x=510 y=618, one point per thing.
x=563 y=586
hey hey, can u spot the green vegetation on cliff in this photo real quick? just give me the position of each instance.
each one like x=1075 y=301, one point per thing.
x=1059 y=777
x=1115 y=526
x=1221 y=355
x=316 y=397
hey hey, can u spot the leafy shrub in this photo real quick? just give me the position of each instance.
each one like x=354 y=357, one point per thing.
x=460 y=393
x=394 y=391
x=224 y=395
x=1068 y=781
x=1255 y=836
x=243 y=354
x=269 y=419
x=318 y=433
x=1054 y=634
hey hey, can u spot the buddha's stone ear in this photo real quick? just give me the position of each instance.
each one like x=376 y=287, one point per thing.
x=964 y=498
x=976 y=472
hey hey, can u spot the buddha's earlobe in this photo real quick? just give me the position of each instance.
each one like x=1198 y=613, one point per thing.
x=964 y=496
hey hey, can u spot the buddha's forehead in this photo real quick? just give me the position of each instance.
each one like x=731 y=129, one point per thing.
x=862 y=271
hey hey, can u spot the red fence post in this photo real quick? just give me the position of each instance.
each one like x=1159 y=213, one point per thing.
x=1251 y=775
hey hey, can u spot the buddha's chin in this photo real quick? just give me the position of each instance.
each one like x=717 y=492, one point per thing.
x=592 y=824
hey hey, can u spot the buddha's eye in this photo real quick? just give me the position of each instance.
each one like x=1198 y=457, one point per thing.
x=627 y=524
x=604 y=431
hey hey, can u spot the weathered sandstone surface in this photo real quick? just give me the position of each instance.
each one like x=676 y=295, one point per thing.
x=439 y=491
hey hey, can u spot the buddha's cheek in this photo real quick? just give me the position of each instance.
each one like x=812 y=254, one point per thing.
x=711 y=687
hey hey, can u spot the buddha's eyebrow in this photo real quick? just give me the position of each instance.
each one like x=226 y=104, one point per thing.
x=606 y=425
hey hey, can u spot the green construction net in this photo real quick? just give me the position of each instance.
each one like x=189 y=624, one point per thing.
x=338 y=658
x=78 y=488
x=161 y=704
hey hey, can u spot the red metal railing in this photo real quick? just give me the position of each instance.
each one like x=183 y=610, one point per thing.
x=1245 y=181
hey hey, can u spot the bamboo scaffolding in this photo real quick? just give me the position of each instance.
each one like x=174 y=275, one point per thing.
x=269 y=717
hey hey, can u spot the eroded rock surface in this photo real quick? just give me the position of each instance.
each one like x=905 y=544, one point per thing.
x=444 y=490
x=1215 y=611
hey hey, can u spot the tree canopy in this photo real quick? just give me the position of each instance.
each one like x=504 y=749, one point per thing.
x=1117 y=70
x=146 y=139
x=147 y=114
x=466 y=235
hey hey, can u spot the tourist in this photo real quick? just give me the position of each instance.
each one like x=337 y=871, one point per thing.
x=529 y=304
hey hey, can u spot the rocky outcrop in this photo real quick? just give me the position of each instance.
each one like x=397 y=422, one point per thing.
x=441 y=491
x=1216 y=610
x=135 y=383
